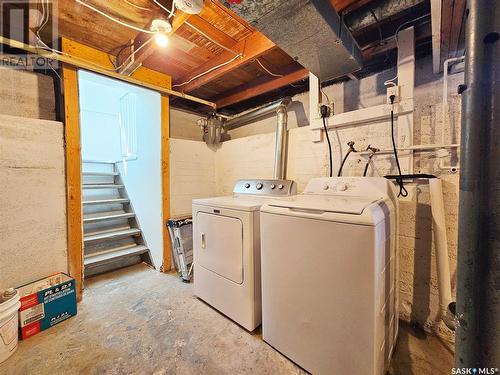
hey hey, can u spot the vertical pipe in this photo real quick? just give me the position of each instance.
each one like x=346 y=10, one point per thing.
x=478 y=289
x=441 y=243
x=281 y=140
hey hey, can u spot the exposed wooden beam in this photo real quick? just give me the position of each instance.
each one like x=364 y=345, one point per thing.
x=436 y=35
x=134 y=61
x=247 y=92
x=250 y=48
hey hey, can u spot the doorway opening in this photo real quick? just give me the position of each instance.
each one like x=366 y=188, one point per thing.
x=120 y=129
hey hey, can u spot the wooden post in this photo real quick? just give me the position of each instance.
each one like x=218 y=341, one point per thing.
x=165 y=168
x=73 y=176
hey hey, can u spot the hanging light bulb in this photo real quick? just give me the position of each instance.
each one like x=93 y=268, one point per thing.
x=161 y=27
x=161 y=39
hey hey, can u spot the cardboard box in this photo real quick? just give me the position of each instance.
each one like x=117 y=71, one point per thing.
x=46 y=302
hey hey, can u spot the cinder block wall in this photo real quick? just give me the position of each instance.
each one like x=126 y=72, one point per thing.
x=27 y=94
x=250 y=155
x=33 y=188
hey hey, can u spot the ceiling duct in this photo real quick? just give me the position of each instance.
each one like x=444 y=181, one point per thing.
x=310 y=31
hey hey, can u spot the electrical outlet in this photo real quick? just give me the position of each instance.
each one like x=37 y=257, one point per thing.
x=329 y=105
x=392 y=90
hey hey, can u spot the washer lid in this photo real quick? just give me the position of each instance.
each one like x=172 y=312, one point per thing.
x=324 y=203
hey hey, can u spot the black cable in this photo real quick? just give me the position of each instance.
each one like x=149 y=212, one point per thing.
x=402 y=190
x=329 y=145
x=343 y=162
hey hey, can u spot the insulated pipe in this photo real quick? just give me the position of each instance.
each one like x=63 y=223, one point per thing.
x=446 y=303
x=478 y=293
x=281 y=142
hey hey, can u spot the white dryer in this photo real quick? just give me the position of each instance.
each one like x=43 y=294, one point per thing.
x=329 y=275
x=226 y=243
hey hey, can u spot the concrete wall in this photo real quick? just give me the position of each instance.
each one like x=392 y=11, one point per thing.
x=26 y=94
x=183 y=125
x=32 y=200
x=192 y=174
x=250 y=154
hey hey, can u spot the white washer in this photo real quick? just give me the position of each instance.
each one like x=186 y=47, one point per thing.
x=329 y=275
x=226 y=243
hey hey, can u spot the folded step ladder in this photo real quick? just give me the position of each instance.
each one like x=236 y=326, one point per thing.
x=181 y=237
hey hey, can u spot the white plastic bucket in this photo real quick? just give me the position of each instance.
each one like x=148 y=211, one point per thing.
x=8 y=325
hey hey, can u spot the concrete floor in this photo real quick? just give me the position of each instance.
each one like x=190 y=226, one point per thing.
x=139 y=321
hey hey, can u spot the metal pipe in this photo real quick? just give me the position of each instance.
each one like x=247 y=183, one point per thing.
x=446 y=303
x=478 y=272
x=281 y=141
x=93 y=67
x=245 y=117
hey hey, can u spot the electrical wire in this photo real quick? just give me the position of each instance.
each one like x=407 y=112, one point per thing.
x=324 y=93
x=390 y=81
x=267 y=70
x=104 y=14
x=137 y=6
x=329 y=146
x=207 y=71
x=402 y=190
x=133 y=53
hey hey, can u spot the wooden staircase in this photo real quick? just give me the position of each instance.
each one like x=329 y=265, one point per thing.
x=112 y=236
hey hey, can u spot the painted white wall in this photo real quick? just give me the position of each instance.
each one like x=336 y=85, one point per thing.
x=100 y=107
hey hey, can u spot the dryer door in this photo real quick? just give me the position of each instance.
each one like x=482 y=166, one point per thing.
x=220 y=245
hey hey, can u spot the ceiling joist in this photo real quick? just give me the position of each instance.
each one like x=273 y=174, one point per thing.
x=249 y=48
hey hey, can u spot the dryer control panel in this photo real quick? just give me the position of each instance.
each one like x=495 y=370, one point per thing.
x=278 y=188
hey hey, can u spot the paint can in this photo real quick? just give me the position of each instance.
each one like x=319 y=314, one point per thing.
x=9 y=304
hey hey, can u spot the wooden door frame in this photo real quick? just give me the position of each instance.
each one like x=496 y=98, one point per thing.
x=74 y=159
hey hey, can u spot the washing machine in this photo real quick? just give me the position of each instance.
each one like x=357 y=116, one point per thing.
x=226 y=244
x=329 y=275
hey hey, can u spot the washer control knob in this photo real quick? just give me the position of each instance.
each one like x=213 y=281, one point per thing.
x=259 y=186
x=341 y=187
x=281 y=186
x=247 y=185
x=273 y=186
x=325 y=187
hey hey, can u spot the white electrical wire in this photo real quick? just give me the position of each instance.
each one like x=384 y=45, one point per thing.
x=207 y=71
x=134 y=53
x=390 y=82
x=267 y=70
x=115 y=19
x=137 y=6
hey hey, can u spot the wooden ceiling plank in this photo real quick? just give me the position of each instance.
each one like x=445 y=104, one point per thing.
x=251 y=47
x=211 y=31
x=262 y=88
